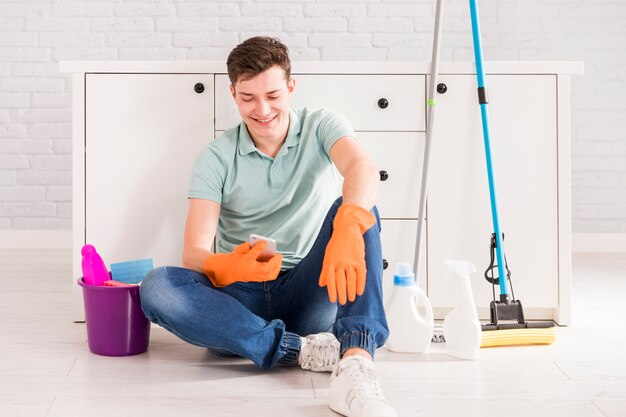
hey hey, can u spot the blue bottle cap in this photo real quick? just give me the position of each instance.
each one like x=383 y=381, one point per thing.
x=404 y=276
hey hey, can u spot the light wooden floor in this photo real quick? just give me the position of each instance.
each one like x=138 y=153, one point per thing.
x=47 y=370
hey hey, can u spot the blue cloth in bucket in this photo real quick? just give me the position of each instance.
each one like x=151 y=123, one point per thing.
x=131 y=272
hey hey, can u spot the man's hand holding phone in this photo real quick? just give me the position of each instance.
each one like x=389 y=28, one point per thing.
x=269 y=250
x=244 y=264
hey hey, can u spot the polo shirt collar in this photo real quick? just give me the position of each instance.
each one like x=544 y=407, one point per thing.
x=246 y=145
x=293 y=135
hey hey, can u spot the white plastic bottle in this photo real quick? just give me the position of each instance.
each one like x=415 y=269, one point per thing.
x=409 y=329
x=461 y=327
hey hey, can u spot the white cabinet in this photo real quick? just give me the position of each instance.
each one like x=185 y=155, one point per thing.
x=139 y=126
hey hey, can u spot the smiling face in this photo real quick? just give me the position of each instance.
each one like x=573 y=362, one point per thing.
x=264 y=102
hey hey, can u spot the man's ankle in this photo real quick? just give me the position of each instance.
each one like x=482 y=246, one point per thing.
x=358 y=352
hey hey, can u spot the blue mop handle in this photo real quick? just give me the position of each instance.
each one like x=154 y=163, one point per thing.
x=482 y=94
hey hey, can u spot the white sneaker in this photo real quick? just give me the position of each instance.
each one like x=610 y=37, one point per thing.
x=355 y=390
x=319 y=352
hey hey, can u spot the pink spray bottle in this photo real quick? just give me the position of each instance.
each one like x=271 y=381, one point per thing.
x=94 y=270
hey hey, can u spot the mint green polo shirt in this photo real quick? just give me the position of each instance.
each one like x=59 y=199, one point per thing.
x=286 y=197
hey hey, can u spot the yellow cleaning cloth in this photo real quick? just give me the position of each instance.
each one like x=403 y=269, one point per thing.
x=517 y=337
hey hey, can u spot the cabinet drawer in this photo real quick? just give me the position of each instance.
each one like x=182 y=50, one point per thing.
x=356 y=97
x=398 y=157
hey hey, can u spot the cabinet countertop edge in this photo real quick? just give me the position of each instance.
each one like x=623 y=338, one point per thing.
x=329 y=67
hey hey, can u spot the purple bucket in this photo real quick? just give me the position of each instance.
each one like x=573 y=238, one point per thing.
x=116 y=325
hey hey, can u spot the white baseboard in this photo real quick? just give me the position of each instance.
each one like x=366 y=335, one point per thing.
x=35 y=239
x=599 y=242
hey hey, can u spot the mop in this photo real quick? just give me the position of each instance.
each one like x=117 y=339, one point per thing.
x=507 y=326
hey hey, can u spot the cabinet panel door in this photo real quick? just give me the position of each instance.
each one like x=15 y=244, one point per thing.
x=398 y=155
x=354 y=96
x=143 y=132
x=522 y=110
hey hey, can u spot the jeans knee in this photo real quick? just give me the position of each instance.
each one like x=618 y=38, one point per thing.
x=151 y=289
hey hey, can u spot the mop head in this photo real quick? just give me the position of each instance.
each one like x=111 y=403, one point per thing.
x=518 y=337
x=508 y=327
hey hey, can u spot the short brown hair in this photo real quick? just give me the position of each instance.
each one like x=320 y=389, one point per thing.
x=256 y=55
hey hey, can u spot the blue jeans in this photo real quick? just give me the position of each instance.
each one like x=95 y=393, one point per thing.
x=263 y=321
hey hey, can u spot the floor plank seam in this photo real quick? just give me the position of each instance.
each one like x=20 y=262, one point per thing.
x=71 y=367
x=596 y=405
x=313 y=387
x=560 y=369
x=50 y=406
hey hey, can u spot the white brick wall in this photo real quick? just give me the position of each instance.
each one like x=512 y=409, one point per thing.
x=35 y=100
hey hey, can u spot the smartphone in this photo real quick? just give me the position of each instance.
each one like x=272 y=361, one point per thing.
x=270 y=248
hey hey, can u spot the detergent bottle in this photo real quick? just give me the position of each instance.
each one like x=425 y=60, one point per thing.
x=409 y=329
x=94 y=270
x=461 y=327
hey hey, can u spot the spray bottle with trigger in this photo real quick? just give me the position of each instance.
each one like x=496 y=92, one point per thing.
x=461 y=327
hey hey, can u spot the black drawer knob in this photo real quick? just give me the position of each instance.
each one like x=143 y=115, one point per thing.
x=385 y=264
x=199 y=88
x=383 y=103
x=442 y=88
x=383 y=175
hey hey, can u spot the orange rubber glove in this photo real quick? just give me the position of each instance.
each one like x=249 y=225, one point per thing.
x=343 y=269
x=241 y=265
